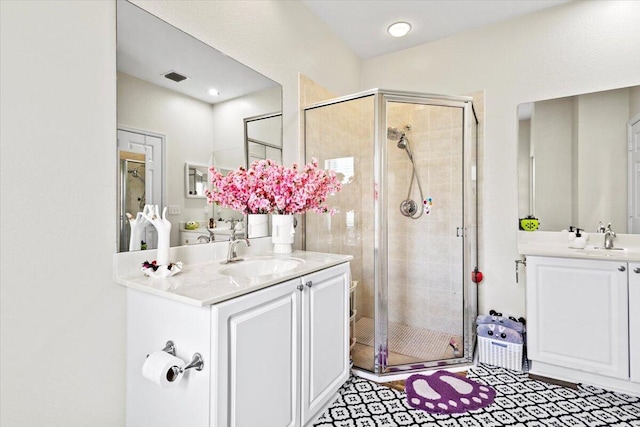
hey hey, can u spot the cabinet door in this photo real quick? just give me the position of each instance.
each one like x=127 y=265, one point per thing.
x=258 y=359
x=634 y=321
x=577 y=314
x=325 y=336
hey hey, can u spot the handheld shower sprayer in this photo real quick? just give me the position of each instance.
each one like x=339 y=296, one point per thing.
x=408 y=207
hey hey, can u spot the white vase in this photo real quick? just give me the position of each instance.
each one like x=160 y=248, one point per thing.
x=282 y=232
x=257 y=225
x=164 y=236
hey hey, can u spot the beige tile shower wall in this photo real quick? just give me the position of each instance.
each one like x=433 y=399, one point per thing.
x=344 y=130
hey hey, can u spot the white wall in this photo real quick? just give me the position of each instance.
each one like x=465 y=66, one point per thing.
x=62 y=317
x=580 y=47
x=634 y=102
x=62 y=339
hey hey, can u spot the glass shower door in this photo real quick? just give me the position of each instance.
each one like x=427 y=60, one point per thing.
x=340 y=135
x=420 y=304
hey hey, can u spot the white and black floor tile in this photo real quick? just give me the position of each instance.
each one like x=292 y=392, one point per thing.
x=519 y=402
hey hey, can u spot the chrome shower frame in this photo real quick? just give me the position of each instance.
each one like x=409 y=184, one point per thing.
x=468 y=227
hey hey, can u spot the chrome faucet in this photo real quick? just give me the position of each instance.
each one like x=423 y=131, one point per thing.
x=207 y=239
x=601 y=228
x=232 y=228
x=232 y=255
x=609 y=235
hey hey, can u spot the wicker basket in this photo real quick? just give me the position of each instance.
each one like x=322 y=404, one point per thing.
x=499 y=353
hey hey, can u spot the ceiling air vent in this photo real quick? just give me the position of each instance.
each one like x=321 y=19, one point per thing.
x=172 y=75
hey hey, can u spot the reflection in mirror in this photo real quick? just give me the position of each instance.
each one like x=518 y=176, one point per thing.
x=196 y=178
x=577 y=161
x=132 y=188
x=263 y=138
x=165 y=100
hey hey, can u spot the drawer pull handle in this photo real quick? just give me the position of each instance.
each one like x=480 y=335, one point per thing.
x=309 y=284
x=636 y=270
x=622 y=268
x=300 y=288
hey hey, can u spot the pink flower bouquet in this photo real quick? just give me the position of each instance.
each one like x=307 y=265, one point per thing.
x=266 y=187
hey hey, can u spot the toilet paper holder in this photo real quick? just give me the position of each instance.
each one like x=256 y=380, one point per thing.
x=169 y=347
x=197 y=362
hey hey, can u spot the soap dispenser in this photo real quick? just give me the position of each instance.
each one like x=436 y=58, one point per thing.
x=580 y=242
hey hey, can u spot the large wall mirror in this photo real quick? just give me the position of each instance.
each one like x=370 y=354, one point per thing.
x=181 y=107
x=579 y=161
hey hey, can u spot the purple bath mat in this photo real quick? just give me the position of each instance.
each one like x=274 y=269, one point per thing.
x=445 y=393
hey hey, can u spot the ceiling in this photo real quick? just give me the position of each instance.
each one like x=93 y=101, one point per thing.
x=148 y=47
x=362 y=25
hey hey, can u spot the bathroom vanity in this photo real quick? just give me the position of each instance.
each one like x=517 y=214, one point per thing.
x=275 y=346
x=582 y=310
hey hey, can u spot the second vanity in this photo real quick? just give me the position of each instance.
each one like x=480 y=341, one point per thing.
x=583 y=322
x=274 y=345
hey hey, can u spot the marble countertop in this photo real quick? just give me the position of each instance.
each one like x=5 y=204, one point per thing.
x=202 y=284
x=556 y=244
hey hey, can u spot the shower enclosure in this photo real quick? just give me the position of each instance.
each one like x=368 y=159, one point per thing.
x=133 y=197
x=408 y=215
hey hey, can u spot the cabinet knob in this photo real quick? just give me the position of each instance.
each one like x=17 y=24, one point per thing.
x=622 y=268
x=636 y=270
x=300 y=288
x=309 y=284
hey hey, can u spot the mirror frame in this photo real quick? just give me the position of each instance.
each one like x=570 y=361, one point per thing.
x=198 y=167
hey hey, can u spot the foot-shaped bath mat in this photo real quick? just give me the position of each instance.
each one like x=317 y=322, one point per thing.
x=445 y=393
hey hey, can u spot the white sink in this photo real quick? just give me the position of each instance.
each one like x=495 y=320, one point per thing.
x=264 y=266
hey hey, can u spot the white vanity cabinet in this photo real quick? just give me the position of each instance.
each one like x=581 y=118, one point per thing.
x=579 y=322
x=274 y=357
x=634 y=321
x=190 y=237
x=287 y=351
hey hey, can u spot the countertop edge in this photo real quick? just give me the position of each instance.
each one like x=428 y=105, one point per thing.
x=132 y=281
x=581 y=254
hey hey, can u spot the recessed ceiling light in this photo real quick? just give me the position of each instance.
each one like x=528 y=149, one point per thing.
x=399 y=29
x=214 y=92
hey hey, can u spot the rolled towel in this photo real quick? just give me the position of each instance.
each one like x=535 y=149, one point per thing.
x=500 y=333
x=499 y=320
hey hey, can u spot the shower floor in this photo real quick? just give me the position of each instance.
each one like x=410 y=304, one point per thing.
x=407 y=344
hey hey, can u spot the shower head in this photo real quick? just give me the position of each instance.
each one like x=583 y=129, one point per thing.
x=402 y=143
x=394 y=134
